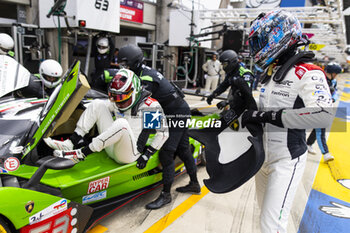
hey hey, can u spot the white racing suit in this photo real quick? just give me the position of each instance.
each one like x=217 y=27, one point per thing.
x=119 y=137
x=305 y=96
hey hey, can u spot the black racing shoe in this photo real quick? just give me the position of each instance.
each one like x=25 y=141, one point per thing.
x=192 y=187
x=163 y=199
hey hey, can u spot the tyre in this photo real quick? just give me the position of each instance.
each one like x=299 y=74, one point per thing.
x=4 y=227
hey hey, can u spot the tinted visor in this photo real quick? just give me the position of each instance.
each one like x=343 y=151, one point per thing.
x=102 y=47
x=257 y=42
x=50 y=78
x=224 y=65
x=119 y=96
x=123 y=65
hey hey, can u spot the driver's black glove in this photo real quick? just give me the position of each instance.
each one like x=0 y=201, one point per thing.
x=143 y=159
x=272 y=117
x=222 y=104
x=210 y=98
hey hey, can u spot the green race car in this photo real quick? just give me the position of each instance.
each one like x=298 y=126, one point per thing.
x=42 y=193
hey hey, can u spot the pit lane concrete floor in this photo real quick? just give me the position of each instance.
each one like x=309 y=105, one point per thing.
x=234 y=212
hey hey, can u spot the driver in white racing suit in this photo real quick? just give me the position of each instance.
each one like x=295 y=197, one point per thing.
x=124 y=138
x=294 y=96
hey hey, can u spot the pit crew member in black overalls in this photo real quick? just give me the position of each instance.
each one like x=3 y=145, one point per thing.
x=233 y=69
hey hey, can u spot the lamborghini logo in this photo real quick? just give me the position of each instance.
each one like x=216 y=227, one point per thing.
x=29 y=206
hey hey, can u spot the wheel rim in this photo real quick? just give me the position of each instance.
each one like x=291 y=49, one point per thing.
x=2 y=229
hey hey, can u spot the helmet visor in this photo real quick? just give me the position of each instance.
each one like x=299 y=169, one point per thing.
x=5 y=50
x=123 y=65
x=50 y=78
x=102 y=47
x=224 y=65
x=257 y=42
x=119 y=96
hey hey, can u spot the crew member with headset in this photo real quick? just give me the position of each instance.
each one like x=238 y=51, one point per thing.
x=103 y=59
x=43 y=84
x=173 y=104
x=233 y=69
x=6 y=45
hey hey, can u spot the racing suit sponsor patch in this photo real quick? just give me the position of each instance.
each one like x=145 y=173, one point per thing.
x=149 y=101
x=280 y=93
x=98 y=185
x=300 y=71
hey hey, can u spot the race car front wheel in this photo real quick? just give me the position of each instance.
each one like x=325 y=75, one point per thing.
x=4 y=228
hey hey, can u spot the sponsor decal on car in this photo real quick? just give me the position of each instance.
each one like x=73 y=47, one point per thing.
x=62 y=222
x=50 y=211
x=98 y=185
x=11 y=164
x=94 y=197
x=3 y=170
x=29 y=206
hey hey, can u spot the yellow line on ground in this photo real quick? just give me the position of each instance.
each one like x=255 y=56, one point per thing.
x=345 y=97
x=209 y=106
x=177 y=212
x=98 y=229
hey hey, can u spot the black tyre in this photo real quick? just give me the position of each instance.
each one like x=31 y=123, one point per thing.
x=4 y=227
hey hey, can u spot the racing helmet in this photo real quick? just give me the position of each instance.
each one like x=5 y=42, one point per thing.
x=271 y=34
x=50 y=73
x=6 y=43
x=333 y=68
x=131 y=57
x=102 y=45
x=124 y=89
x=229 y=61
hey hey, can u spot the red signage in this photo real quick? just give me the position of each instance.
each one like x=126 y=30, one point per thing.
x=131 y=10
x=97 y=185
